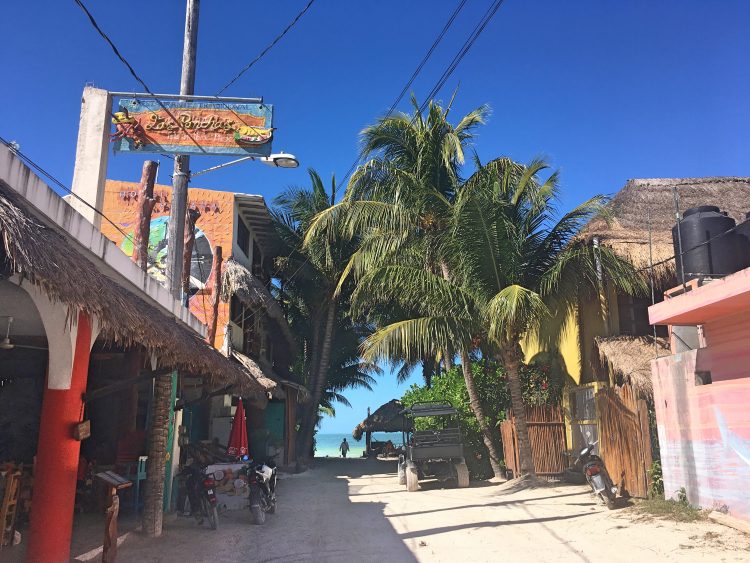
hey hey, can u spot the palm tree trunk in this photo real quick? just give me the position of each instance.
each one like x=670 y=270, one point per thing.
x=510 y=355
x=318 y=383
x=476 y=407
x=153 y=504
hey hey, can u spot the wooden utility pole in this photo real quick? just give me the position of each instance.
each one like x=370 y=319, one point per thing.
x=213 y=314
x=187 y=254
x=181 y=173
x=145 y=208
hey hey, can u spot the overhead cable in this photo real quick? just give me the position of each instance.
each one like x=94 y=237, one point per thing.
x=268 y=48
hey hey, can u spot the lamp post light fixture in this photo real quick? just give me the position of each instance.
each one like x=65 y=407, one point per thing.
x=277 y=160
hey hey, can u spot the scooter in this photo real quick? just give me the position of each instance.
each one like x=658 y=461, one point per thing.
x=261 y=480
x=201 y=493
x=596 y=475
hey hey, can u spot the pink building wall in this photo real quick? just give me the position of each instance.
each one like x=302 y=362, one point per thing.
x=704 y=430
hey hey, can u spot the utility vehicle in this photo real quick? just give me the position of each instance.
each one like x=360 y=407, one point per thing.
x=433 y=446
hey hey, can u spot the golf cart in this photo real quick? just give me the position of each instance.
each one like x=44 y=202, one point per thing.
x=433 y=446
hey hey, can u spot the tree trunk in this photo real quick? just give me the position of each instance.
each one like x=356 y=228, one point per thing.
x=319 y=383
x=428 y=370
x=511 y=358
x=153 y=512
x=145 y=208
x=476 y=407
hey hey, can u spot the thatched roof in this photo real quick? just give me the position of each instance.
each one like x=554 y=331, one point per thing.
x=238 y=280
x=254 y=369
x=386 y=419
x=628 y=358
x=41 y=255
x=645 y=201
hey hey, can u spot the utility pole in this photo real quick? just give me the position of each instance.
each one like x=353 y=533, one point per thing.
x=181 y=175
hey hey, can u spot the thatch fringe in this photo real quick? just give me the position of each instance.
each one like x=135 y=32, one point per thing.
x=387 y=418
x=628 y=358
x=45 y=258
x=238 y=280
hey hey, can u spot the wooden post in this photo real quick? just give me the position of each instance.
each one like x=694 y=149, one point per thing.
x=153 y=512
x=143 y=222
x=181 y=173
x=213 y=315
x=109 y=555
x=187 y=254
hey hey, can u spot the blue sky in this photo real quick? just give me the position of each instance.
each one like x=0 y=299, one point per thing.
x=605 y=90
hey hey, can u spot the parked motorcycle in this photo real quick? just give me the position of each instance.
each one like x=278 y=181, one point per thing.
x=201 y=492
x=596 y=475
x=261 y=479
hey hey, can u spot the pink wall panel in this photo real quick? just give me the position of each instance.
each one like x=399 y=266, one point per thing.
x=704 y=430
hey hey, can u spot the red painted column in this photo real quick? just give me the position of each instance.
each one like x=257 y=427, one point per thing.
x=57 y=460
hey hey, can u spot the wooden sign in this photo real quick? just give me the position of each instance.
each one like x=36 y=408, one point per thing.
x=82 y=430
x=207 y=128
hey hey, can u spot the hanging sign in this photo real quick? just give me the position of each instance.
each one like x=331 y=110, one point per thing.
x=207 y=128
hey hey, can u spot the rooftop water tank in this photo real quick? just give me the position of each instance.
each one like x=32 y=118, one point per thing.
x=726 y=253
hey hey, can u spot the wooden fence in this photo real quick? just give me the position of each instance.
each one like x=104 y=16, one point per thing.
x=624 y=438
x=546 y=427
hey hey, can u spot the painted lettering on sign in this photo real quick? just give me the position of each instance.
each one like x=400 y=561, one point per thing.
x=209 y=128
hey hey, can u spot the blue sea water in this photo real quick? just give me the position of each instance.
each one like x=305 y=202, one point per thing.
x=328 y=444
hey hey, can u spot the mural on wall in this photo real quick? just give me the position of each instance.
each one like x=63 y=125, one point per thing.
x=704 y=435
x=200 y=264
x=199 y=128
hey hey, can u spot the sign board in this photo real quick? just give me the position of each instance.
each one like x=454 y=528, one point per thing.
x=82 y=430
x=194 y=128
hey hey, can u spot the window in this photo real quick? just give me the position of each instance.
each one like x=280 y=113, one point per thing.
x=246 y=320
x=243 y=236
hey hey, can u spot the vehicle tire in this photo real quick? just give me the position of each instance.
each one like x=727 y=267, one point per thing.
x=462 y=474
x=412 y=478
x=401 y=474
x=272 y=508
x=212 y=513
x=259 y=517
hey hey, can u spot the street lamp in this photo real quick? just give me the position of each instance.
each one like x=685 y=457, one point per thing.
x=281 y=160
x=277 y=160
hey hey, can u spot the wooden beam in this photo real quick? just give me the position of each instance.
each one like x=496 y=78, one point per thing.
x=115 y=387
x=213 y=314
x=146 y=207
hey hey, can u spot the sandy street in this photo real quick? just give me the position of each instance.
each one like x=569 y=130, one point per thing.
x=353 y=510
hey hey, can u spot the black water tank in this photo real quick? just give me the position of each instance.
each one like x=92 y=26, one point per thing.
x=724 y=255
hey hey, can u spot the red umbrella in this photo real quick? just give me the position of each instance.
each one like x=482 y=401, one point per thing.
x=238 y=436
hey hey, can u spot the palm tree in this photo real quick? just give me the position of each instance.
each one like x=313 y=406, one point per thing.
x=515 y=262
x=399 y=206
x=311 y=277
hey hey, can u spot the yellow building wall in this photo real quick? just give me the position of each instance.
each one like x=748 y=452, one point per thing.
x=557 y=342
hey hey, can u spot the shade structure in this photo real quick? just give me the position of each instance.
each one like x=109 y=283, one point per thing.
x=237 y=446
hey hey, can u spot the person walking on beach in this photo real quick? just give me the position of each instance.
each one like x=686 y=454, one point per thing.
x=344 y=447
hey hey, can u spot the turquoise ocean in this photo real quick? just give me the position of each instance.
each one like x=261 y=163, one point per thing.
x=328 y=444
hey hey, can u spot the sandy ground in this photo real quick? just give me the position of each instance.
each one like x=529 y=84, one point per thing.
x=353 y=510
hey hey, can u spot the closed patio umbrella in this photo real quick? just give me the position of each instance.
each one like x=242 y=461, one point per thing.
x=237 y=446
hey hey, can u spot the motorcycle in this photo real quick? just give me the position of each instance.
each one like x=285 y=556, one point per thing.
x=596 y=475
x=201 y=493
x=261 y=480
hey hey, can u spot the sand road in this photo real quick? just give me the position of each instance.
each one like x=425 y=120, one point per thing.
x=354 y=511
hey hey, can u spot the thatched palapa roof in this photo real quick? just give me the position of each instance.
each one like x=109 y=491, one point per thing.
x=387 y=418
x=628 y=358
x=651 y=201
x=41 y=255
x=238 y=280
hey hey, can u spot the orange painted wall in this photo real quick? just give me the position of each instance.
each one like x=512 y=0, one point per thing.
x=217 y=222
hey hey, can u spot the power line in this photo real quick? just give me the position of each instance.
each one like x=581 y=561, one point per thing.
x=132 y=70
x=62 y=186
x=411 y=80
x=268 y=48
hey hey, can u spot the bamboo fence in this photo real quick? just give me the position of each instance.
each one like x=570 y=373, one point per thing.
x=546 y=427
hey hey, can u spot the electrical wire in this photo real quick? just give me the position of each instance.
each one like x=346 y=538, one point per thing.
x=62 y=186
x=473 y=36
x=132 y=70
x=268 y=48
x=468 y=44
